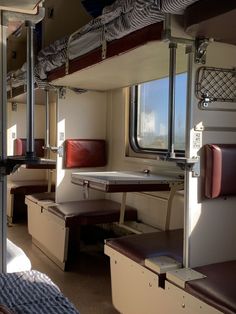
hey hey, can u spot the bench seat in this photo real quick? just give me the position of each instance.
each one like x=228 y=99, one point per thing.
x=138 y=285
x=218 y=288
x=91 y=212
x=42 y=198
x=139 y=247
x=61 y=222
x=16 y=196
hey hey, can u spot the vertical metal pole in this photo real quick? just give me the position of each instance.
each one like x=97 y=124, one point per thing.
x=47 y=137
x=30 y=90
x=3 y=140
x=47 y=131
x=172 y=74
x=187 y=232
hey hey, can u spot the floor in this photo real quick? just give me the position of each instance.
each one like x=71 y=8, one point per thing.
x=86 y=283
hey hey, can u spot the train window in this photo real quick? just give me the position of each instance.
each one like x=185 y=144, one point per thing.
x=149 y=115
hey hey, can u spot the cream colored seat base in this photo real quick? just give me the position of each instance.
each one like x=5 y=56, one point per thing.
x=135 y=290
x=48 y=232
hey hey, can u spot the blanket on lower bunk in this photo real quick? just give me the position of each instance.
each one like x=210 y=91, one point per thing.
x=32 y=292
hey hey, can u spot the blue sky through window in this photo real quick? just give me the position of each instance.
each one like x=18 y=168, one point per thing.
x=153 y=113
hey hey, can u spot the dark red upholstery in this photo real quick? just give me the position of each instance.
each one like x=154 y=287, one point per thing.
x=5 y=310
x=91 y=212
x=84 y=153
x=218 y=288
x=220 y=170
x=20 y=147
x=30 y=187
x=141 y=246
x=20 y=190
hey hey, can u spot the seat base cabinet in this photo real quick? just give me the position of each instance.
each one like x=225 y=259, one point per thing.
x=53 y=238
x=135 y=290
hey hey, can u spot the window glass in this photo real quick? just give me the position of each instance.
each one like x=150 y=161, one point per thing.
x=151 y=114
x=180 y=110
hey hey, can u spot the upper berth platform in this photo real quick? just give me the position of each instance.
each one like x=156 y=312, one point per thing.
x=129 y=60
x=22 y=6
x=19 y=96
x=135 y=58
x=205 y=19
x=122 y=47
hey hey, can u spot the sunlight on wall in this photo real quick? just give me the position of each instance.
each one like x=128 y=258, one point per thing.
x=60 y=140
x=11 y=135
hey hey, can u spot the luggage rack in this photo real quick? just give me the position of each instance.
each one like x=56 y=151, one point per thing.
x=215 y=85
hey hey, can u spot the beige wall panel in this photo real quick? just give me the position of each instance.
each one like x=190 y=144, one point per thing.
x=16 y=128
x=151 y=209
x=79 y=116
x=53 y=235
x=212 y=222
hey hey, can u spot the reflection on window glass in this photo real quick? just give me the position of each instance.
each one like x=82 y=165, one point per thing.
x=180 y=110
x=152 y=117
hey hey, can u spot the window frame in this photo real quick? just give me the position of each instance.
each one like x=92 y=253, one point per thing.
x=133 y=128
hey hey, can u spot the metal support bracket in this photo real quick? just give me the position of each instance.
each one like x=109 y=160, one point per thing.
x=183 y=275
x=201 y=45
x=104 y=49
x=174 y=187
x=62 y=92
x=188 y=164
x=202 y=128
x=167 y=34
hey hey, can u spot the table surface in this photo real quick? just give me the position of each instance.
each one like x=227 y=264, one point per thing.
x=123 y=177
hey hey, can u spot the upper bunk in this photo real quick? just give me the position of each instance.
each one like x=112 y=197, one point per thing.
x=119 y=48
x=15 y=10
x=121 y=41
x=23 y=6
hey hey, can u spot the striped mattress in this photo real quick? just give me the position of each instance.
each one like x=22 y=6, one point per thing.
x=117 y=20
x=32 y=292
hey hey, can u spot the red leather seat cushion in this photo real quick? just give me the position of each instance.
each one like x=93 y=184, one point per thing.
x=84 y=153
x=220 y=172
x=218 y=288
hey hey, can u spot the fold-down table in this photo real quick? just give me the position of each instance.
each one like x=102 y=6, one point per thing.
x=122 y=181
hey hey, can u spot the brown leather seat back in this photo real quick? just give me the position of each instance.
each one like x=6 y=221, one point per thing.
x=220 y=170
x=20 y=147
x=81 y=153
